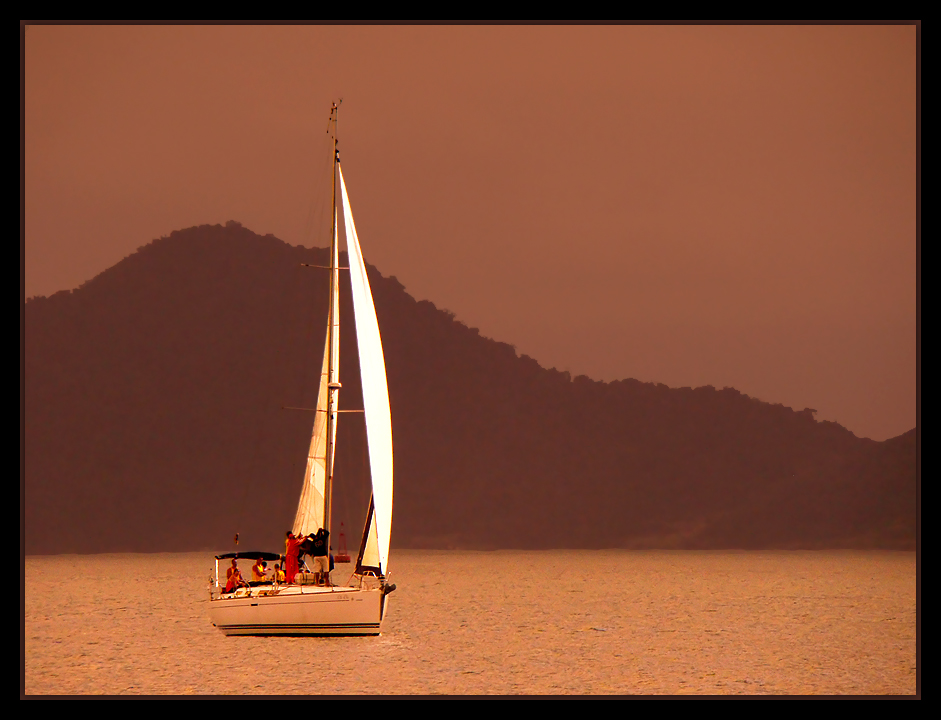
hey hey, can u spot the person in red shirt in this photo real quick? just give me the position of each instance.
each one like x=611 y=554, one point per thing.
x=291 y=547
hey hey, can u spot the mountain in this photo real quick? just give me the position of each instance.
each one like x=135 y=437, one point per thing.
x=153 y=422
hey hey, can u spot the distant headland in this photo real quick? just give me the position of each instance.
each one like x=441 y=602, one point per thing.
x=154 y=422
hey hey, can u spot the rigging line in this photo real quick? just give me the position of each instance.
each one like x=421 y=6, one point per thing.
x=262 y=457
x=314 y=230
x=365 y=480
x=288 y=407
x=301 y=332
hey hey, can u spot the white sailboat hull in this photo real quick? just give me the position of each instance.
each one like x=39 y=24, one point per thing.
x=301 y=610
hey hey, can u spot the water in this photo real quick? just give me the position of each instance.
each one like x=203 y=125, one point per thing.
x=553 y=622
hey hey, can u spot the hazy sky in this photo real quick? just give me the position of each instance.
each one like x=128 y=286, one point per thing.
x=692 y=205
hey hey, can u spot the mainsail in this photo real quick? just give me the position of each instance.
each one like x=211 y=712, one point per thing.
x=375 y=399
x=311 y=507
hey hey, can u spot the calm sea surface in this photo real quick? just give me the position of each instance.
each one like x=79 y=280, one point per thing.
x=553 y=622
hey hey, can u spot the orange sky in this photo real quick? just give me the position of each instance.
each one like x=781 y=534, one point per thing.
x=689 y=205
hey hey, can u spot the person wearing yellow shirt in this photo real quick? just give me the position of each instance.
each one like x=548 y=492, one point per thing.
x=258 y=571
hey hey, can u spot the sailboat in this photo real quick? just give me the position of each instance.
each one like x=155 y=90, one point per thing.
x=304 y=607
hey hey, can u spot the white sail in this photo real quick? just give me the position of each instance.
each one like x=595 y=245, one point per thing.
x=370 y=550
x=312 y=506
x=309 y=517
x=375 y=388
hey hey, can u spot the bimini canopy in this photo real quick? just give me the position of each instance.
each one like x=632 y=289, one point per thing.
x=249 y=555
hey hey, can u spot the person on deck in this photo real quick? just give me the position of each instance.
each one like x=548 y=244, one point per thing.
x=292 y=546
x=231 y=569
x=258 y=571
x=320 y=557
x=234 y=579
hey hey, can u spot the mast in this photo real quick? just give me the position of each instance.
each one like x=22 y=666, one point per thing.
x=333 y=331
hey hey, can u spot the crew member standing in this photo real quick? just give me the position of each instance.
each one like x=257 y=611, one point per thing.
x=291 y=548
x=320 y=557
